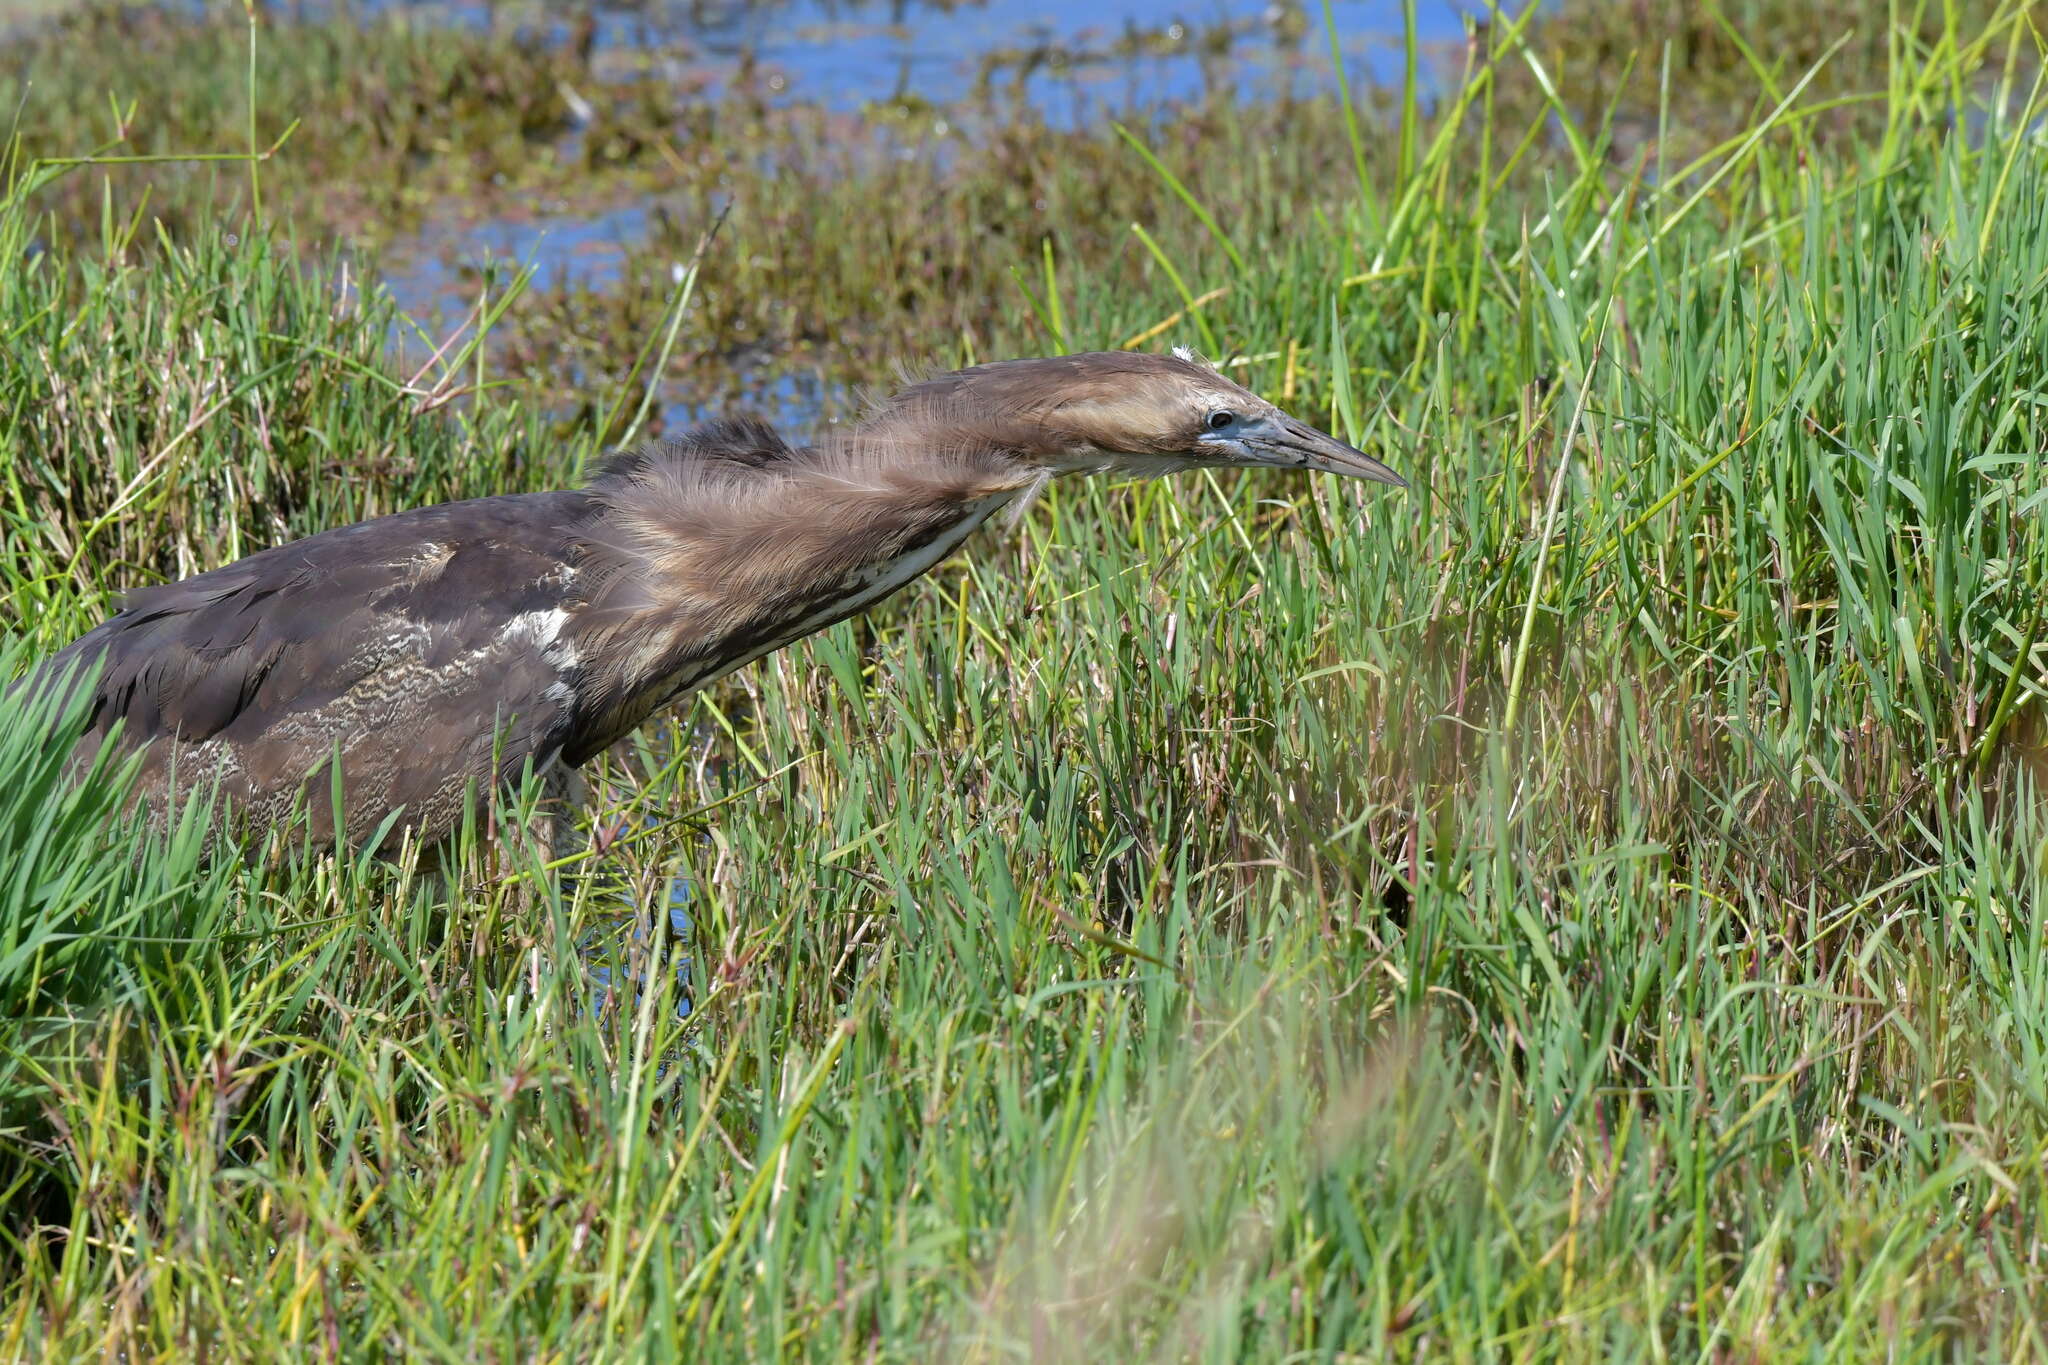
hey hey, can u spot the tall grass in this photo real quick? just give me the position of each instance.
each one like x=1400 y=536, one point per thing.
x=84 y=931
x=1589 y=908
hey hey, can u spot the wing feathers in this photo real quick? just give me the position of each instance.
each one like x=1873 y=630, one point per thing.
x=258 y=671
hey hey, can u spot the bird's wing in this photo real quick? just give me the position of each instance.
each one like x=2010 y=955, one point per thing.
x=418 y=645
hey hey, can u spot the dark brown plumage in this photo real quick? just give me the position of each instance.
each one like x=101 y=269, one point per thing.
x=439 y=651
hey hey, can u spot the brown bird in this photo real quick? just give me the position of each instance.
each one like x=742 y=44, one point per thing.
x=438 y=652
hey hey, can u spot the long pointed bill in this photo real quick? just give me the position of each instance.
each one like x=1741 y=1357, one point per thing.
x=1297 y=445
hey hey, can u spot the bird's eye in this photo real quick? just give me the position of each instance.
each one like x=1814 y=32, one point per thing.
x=1222 y=418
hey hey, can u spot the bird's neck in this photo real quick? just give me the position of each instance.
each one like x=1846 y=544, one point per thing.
x=705 y=569
x=958 y=423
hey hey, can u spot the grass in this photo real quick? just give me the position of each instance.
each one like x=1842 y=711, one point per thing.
x=1591 y=907
x=389 y=128
x=82 y=930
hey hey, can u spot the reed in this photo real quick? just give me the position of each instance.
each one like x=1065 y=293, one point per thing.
x=1592 y=908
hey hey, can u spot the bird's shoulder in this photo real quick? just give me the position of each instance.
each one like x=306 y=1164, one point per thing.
x=728 y=445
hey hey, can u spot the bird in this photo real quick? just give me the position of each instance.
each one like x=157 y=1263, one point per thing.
x=438 y=654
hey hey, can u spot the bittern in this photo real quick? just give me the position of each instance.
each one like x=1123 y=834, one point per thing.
x=436 y=653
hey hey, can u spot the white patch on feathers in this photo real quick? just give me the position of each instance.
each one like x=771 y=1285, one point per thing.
x=543 y=631
x=538 y=628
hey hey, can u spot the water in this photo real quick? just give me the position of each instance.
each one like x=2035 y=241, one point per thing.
x=618 y=952
x=582 y=247
x=1073 y=60
x=1062 y=54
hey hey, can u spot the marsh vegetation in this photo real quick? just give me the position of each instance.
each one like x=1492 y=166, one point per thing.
x=1591 y=907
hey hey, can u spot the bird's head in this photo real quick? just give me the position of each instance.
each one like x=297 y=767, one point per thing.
x=1126 y=412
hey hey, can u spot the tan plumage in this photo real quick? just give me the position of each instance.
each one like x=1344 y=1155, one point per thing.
x=439 y=652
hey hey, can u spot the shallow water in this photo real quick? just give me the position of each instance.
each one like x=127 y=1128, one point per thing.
x=1072 y=60
x=1067 y=56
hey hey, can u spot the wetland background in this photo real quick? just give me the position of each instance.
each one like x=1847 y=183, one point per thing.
x=1590 y=907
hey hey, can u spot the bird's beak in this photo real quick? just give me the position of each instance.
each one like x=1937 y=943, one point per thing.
x=1297 y=445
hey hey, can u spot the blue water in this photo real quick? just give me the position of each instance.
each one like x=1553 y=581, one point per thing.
x=1070 y=59
x=1071 y=53
x=434 y=273
x=1077 y=51
x=618 y=950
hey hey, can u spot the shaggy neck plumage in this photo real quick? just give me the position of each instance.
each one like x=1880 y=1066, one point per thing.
x=708 y=551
